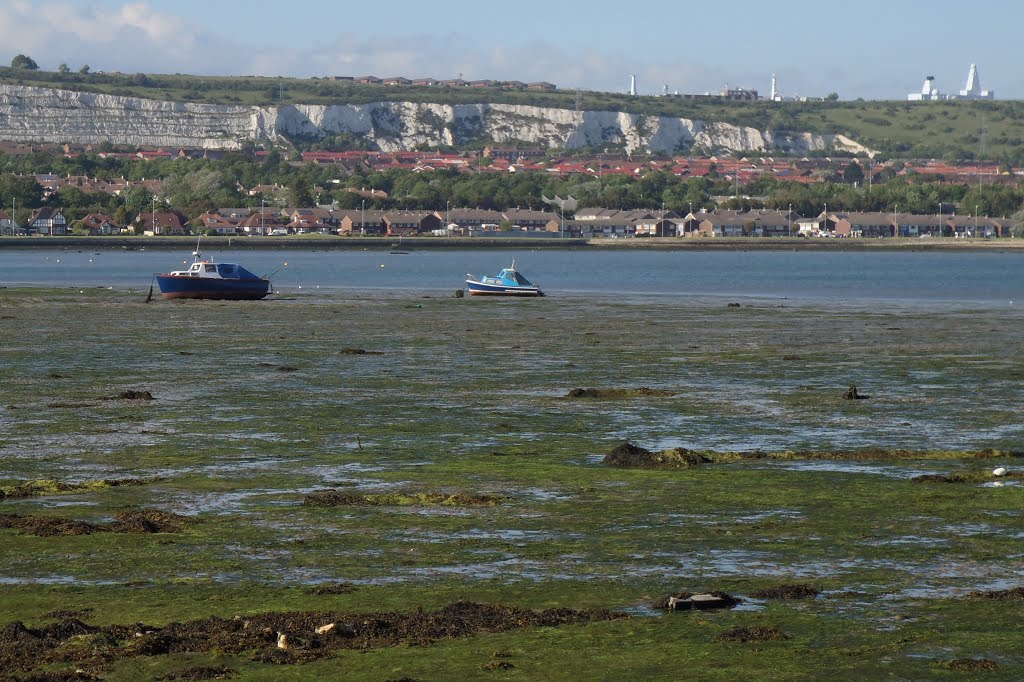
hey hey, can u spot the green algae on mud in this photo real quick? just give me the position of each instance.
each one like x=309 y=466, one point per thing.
x=51 y=487
x=628 y=455
x=333 y=498
x=453 y=403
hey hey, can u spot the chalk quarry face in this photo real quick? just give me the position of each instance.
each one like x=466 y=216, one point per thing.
x=29 y=114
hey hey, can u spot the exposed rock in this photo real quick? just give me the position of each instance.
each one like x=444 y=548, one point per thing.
x=30 y=114
x=852 y=394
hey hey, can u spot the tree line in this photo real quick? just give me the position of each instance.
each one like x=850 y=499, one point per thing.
x=193 y=186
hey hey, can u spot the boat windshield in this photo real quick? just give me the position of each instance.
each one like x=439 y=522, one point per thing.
x=233 y=271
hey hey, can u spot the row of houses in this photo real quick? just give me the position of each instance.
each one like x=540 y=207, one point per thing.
x=588 y=223
x=595 y=223
x=539 y=86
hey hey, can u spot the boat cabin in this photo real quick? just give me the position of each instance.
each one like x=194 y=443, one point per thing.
x=215 y=270
x=508 y=277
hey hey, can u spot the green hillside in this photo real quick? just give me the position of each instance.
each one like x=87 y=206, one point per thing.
x=948 y=130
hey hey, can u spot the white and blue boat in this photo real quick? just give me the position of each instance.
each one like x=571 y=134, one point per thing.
x=208 y=279
x=508 y=282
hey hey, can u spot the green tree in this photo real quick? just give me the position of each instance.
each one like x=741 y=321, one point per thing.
x=853 y=173
x=300 y=193
x=22 y=61
x=84 y=70
x=63 y=69
x=22 y=189
x=121 y=217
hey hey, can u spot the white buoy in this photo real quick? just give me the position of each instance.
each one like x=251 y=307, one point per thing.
x=1000 y=471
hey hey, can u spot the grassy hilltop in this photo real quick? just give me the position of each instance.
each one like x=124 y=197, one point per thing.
x=948 y=130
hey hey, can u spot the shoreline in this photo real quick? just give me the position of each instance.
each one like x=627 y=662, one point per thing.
x=424 y=243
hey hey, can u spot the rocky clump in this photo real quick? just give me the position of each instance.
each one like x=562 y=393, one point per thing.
x=200 y=672
x=24 y=650
x=973 y=665
x=616 y=393
x=630 y=456
x=794 y=591
x=334 y=588
x=752 y=633
x=966 y=477
x=359 y=351
x=129 y=395
x=127 y=521
x=47 y=486
x=852 y=394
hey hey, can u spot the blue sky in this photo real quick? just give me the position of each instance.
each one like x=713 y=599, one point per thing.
x=873 y=49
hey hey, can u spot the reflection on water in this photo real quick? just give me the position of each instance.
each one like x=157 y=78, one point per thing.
x=989 y=278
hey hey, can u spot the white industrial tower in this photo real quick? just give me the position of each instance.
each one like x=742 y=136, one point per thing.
x=973 y=89
x=632 y=86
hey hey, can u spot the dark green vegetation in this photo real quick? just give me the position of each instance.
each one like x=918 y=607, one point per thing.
x=948 y=130
x=898 y=578
x=195 y=186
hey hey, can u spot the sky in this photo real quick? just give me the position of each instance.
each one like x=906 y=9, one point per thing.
x=871 y=49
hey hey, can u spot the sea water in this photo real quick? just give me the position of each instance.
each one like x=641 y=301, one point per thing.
x=989 y=278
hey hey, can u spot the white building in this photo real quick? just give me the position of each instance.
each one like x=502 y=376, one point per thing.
x=930 y=93
x=973 y=89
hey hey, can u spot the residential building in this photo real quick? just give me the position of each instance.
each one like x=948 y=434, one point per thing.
x=212 y=222
x=361 y=222
x=98 y=224
x=48 y=221
x=161 y=223
x=8 y=227
x=408 y=223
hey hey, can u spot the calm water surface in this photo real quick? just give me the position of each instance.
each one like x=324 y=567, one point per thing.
x=986 y=278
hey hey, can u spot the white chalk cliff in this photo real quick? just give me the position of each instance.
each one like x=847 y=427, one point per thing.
x=29 y=114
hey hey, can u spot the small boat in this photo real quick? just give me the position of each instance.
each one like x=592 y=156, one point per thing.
x=508 y=282
x=208 y=279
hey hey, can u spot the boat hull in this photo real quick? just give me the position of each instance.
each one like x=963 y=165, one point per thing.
x=173 y=286
x=481 y=289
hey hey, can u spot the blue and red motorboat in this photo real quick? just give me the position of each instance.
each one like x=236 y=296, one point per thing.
x=208 y=279
x=508 y=282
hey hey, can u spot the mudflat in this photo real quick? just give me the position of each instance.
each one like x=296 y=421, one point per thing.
x=507 y=489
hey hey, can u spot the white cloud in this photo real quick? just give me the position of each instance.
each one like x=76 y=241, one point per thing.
x=135 y=36
x=129 y=37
